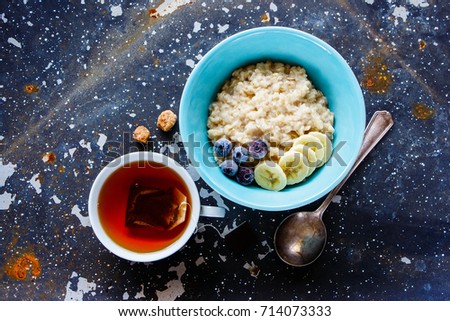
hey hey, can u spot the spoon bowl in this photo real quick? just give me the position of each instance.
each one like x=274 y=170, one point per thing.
x=301 y=237
x=301 y=246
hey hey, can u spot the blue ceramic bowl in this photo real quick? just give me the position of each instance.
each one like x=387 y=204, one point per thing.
x=329 y=73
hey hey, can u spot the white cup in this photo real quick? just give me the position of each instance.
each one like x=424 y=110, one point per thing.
x=196 y=209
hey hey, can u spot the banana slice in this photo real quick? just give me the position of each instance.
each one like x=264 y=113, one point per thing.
x=269 y=175
x=294 y=165
x=326 y=142
x=310 y=157
x=312 y=143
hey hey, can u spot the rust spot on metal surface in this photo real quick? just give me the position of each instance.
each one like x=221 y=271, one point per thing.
x=153 y=13
x=49 y=157
x=422 y=44
x=376 y=75
x=422 y=111
x=31 y=89
x=25 y=268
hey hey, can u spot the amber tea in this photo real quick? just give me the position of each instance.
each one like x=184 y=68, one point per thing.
x=135 y=208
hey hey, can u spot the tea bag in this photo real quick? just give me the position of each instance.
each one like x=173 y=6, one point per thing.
x=161 y=209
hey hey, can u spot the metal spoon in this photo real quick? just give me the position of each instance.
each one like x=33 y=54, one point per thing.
x=301 y=237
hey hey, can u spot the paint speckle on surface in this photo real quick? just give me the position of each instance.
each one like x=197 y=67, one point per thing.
x=193 y=172
x=405 y=260
x=273 y=7
x=35 y=182
x=174 y=288
x=6 y=199
x=116 y=11
x=204 y=193
x=337 y=199
x=400 y=12
x=56 y=199
x=14 y=42
x=101 y=140
x=197 y=27
x=222 y=29
x=200 y=261
x=252 y=268
x=85 y=144
x=419 y=3
x=78 y=287
x=6 y=171
x=140 y=294
x=190 y=63
x=84 y=220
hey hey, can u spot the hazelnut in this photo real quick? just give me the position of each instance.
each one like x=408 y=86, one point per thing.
x=166 y=120
x=141 y=134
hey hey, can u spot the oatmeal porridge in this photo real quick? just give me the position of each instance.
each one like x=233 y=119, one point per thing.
x=269 y=125
x=268 y=100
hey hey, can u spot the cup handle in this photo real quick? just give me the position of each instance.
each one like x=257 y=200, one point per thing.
x=212 y=211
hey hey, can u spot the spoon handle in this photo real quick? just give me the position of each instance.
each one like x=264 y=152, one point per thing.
x=377 y=127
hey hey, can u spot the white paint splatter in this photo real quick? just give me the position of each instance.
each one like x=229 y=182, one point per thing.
x=223 y=28
x=199 y=261
x=400 y=12
x=141 y=294
x=369 y=1
x=252 y=268
x=197 y=26
x=3 y=17
x=336 y=199
x=269 y=250
x=6 y=199
x=72 y=151
x=125 y=296
x=6 y=171
x=205 y=194
x=190 y=63
x=193 y=172
x=419 y=3
x=83 y=143
x=405 y=260
x=14 y=42
x=82 y=287
x=116 y=11
x=84 y=220
x=273 y=7
x=58 y=81
x=30 y=24
x=169 y=6
x=56 y=199
x=101 y=140
x=174 y=287
x=36 y=183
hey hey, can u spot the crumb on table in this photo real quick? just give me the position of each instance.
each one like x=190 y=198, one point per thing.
x=166 y=120
x=141 y=134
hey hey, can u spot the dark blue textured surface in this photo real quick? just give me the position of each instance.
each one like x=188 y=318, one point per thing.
x=102 y=74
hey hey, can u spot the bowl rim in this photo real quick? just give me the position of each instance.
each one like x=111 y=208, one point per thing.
x=241 y=200
x=101 y=233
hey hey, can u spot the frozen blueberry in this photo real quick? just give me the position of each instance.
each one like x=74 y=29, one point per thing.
x=258 y=149
x=229 y=167
x=245 y=175
x=222 y=147
x=240 y=154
